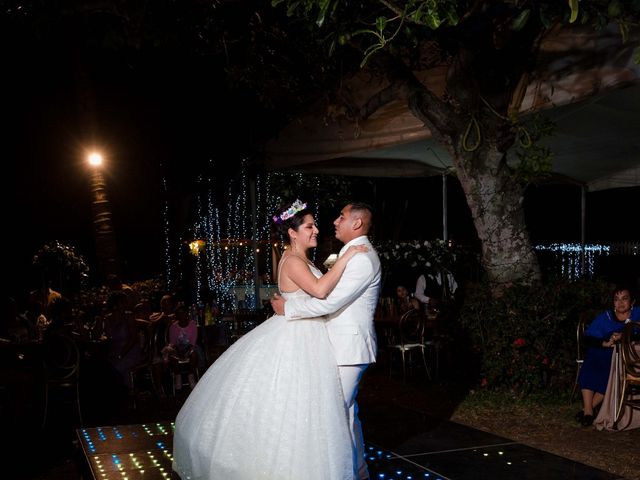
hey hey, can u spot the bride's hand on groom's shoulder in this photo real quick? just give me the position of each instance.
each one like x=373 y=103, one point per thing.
x=355 y=249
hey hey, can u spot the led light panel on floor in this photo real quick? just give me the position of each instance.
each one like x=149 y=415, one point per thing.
x=144 y=451
x=384 y=465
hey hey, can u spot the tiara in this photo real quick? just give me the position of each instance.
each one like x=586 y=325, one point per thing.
x=295 y=207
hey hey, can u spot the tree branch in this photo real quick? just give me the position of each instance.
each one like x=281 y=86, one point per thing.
x=474 y=8
x=436 y=113
x=517 y=96
x=392 y=92
x=400 y=12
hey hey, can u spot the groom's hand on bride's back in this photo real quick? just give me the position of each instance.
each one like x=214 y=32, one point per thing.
x=277 y=303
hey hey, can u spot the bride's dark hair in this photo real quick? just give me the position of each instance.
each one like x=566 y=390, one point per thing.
x=289 y=215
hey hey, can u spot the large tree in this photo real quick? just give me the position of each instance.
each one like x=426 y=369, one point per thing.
x=490 y=50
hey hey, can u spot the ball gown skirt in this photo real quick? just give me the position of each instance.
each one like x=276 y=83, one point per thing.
x=271 y=407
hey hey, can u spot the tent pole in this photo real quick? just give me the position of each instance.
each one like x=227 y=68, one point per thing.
x=583 y=222
x=445 y=223
x=445 y=234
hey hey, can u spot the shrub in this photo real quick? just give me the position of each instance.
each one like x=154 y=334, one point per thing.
x=526 y=338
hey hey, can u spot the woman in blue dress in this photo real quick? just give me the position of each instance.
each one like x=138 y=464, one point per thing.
x=600 y=337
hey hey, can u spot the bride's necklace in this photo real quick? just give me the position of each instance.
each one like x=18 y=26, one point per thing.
x=307 y=261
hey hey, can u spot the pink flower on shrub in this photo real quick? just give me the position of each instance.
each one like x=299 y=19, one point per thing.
x=519 y=342
x=484 y=382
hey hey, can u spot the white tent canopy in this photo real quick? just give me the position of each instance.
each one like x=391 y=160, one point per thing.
x=588 y=85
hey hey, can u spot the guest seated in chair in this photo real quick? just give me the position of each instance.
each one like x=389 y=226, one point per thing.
x=181 y=349
x=143 y=311
x=405 y=302
x=15 y=326
x=600 y=337
x=124 y=343
x=160 y=322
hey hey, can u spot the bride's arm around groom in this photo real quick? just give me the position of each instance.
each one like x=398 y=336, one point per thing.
x=350 y=306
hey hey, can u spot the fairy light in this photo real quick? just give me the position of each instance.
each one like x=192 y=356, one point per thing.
x=243 y=231
x=269 y=207
x=198 y=234
x=261 y=238
x=569 y=257
x=225 y=266
x=316 y=210
x=210 y=235
x=179 y=265
x=168 y=274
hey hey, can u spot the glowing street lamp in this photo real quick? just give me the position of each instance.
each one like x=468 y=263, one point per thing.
x=106 y=250
x=95 y=159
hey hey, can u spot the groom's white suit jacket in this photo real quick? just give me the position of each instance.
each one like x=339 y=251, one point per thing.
x=349 y=308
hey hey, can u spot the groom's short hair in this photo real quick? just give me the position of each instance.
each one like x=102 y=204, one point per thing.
x=365 y=211
x=361 y=206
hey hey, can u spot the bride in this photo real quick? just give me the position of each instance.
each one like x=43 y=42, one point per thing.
x=271 y=407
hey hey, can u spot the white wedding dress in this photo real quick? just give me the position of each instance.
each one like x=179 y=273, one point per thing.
x=271 y=407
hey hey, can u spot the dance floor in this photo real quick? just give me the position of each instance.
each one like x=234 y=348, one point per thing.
x=417 y=448
x=128 y=451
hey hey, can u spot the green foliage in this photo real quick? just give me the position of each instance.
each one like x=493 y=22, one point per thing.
x=573 y=5
x=526 y=338
x=534 y=158
x=402 y=21
x=521 y=20
x=335 y=191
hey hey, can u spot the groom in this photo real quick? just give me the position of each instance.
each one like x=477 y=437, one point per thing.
x=349 y=309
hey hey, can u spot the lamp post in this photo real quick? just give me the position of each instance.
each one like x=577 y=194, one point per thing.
x=106 y=251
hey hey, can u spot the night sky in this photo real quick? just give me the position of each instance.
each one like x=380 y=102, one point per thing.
x=166 y=113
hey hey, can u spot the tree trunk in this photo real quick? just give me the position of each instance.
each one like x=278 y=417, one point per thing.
x=495 y=199
x=493 y=194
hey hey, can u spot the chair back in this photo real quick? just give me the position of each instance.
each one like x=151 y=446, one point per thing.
x=630 y=356
x=385 y=309
x=583 y=321
x=148 y=341
x=412 y=326
x=61 y=359
x=143 y=330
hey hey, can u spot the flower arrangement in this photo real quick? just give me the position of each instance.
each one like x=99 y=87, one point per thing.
x=61 y=264
x=427 y=254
